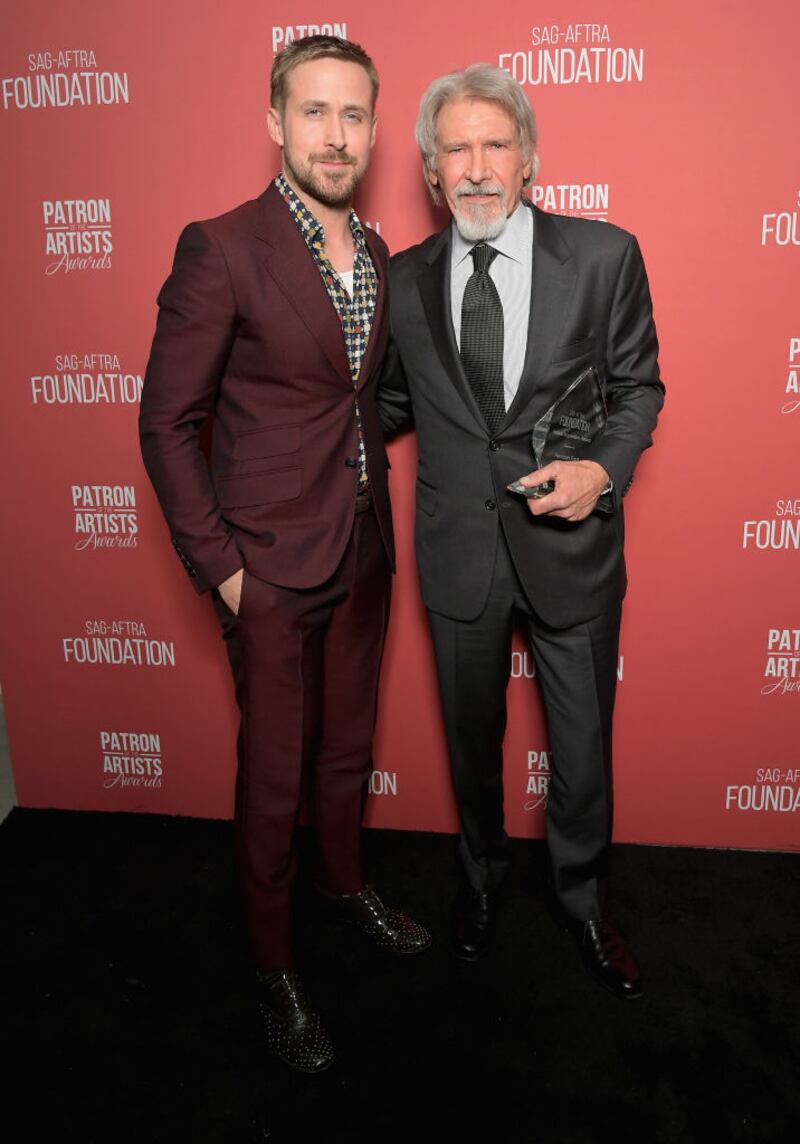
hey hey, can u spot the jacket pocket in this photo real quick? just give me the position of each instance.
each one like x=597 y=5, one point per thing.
x=259 y=488
x=274 y=441
x=427 y=497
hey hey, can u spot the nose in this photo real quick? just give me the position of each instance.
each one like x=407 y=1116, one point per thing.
x=334 y=134
x=478 y=166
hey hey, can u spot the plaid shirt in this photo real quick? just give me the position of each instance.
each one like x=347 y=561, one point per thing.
x=354 y=313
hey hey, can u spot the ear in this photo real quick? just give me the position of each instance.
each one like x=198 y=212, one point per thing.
x=528 y=168
x=374 y=130
x=275 y=126
x=433 y=176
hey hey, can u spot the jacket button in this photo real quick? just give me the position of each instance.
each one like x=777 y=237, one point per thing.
x=494 y=446
x=351 y=462
x=490 y=505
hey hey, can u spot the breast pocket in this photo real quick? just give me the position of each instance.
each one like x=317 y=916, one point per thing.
x=576 y=349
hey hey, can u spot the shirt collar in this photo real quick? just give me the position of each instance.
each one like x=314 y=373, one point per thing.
x=514 y=237
x=310 y=226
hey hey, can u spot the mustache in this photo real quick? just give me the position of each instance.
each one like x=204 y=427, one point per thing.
x=465 y=190
x=332 y=157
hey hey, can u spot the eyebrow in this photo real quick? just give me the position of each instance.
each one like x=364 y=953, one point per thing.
x=506 y=139
x=324 y=103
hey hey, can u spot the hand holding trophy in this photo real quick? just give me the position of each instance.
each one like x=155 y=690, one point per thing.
x=566 y=429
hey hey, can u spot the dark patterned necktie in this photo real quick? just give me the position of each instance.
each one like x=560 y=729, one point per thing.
x=482 y=338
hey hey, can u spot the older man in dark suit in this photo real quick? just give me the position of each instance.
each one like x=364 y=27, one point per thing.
x=492 y=319
x=274 y=320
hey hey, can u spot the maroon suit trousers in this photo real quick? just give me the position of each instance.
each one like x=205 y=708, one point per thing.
x=305 y=664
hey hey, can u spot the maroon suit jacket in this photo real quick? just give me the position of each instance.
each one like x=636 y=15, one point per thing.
x=247 y=332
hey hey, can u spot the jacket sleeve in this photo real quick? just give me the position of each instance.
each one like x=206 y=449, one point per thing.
x=394 y=399
x=634 y=391
x=194 y=334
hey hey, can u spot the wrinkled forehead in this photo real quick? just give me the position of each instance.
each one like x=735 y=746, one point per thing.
x=473 y=118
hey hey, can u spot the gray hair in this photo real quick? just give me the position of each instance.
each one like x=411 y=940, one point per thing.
x=479 y=81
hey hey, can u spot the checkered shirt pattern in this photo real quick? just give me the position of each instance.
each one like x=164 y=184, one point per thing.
x=356 y=313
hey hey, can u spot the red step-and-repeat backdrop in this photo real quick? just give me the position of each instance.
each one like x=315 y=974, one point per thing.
x=675 y=120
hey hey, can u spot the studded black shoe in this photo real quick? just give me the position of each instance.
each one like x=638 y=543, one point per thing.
x=295 y=1032
x=388 y=928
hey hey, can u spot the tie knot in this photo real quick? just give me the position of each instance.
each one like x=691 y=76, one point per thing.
x=482 y=257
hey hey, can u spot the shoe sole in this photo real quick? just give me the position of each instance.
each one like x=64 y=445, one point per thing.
x=300 y=1068
x=469 y=957
x=614 y=992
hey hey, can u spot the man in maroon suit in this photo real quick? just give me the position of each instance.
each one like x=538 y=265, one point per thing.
x=274 y=320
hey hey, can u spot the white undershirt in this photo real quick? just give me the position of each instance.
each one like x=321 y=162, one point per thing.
x=347 y=280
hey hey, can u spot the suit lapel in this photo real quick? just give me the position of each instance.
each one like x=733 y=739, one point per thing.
x=434 y=287
x=291 y=266
x=552 y=284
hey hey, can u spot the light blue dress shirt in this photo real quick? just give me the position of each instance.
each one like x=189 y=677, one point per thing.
x=511 y=274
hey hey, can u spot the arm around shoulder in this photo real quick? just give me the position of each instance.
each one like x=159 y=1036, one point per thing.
x=394 y=400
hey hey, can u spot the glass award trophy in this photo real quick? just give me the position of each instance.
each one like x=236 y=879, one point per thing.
x=567 y=428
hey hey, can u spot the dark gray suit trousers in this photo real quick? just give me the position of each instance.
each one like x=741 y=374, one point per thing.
x=577 y=670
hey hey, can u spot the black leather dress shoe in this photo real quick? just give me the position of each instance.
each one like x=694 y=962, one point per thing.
x=607 y=957
x=473 y=923
x=388 y=928
x=295 y=1032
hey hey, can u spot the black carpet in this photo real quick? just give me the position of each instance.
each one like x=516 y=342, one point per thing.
x=128 y=1015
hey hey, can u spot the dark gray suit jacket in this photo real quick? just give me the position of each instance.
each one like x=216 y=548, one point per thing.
x=590 y=304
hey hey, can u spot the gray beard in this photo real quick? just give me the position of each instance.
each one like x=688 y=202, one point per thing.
x=476 y=224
